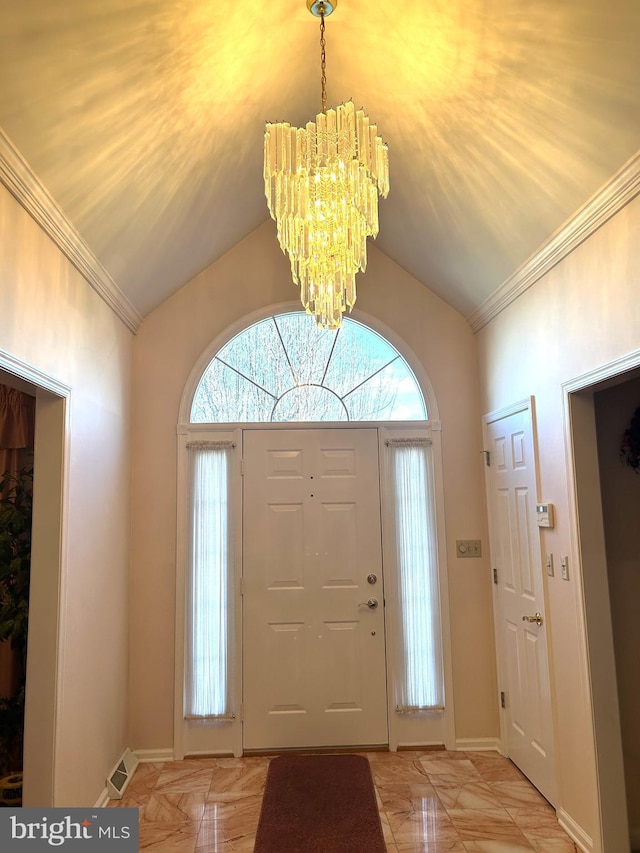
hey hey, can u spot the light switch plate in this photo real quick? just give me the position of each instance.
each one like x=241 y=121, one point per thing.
x=468 y=548
x=550 y=565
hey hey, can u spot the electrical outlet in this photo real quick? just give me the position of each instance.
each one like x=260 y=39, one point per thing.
x=550 y=565
x=564 y=562
x=468 y=548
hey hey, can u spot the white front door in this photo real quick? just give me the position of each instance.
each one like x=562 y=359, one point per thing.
x=516 y=558
x=313 y=650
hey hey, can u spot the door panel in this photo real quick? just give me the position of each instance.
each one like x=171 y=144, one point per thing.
x=533 y=666
x=314 y=654
x=514 y=678
x=284 y=538
x=516 y=555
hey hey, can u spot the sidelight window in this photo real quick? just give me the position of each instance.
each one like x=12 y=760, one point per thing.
x=419 y=668
x=209 y=609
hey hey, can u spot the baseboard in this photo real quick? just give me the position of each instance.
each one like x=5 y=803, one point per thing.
x=103 y=800
x=147 y=755
x=575 y=831
x=634 y=837
x=479 y=744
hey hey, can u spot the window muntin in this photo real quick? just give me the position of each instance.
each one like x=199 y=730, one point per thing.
x=285 y=369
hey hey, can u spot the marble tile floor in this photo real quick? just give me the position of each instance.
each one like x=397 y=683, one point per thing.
x=429 y=802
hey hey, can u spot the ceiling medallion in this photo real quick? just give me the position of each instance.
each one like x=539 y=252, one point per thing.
x=322 y=184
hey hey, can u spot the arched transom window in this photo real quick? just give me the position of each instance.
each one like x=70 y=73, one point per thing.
x=286 y=369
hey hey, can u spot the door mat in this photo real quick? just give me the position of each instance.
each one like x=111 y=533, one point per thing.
x=319 y=804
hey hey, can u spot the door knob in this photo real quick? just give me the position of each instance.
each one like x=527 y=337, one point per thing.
x=537 y=619
x=372 y=603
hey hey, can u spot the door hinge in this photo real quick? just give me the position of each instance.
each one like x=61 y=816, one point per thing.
x=242 y=467
x=242 y=712
x=487 y=458
x=241 y=586
x=503 y=702
x=495 y=576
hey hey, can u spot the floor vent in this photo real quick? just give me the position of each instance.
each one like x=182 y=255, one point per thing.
x=121 y=774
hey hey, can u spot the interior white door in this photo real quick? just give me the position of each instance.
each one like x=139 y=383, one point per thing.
x=313 y=649
x=517 y=560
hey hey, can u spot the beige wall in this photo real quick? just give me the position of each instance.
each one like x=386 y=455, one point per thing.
x=583 y=314
x=51 y=319
x=620 y=487
x=252 y=276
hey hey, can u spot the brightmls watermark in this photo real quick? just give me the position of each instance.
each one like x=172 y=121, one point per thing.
x=114 y=830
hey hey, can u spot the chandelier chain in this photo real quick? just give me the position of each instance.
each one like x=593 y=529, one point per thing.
x=322 y=183
x=323 y=59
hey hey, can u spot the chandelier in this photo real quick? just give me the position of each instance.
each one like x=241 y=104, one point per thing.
x=322 y=183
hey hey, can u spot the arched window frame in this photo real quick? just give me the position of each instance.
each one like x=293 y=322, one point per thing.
x=221 y=340
x=281 y=368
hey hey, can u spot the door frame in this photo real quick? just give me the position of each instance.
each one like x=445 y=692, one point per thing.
x=47 y=602
x=525 y=405
x=593 y=612
x=225 y=737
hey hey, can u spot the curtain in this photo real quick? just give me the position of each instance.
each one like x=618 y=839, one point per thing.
x=419 y=685
x=17 y=422
x=209 y=589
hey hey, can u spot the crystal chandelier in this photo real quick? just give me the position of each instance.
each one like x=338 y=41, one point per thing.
x=322 y=184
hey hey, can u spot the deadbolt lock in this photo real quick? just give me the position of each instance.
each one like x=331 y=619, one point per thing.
x=372 y=578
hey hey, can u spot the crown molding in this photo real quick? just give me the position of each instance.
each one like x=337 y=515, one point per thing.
x=22 y=183
x=615 y=194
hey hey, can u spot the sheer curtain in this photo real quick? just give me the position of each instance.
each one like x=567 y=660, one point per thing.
x=419 y=684
x=209 y=602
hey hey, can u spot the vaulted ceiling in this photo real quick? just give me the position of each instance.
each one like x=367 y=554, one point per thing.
x=144 y=119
